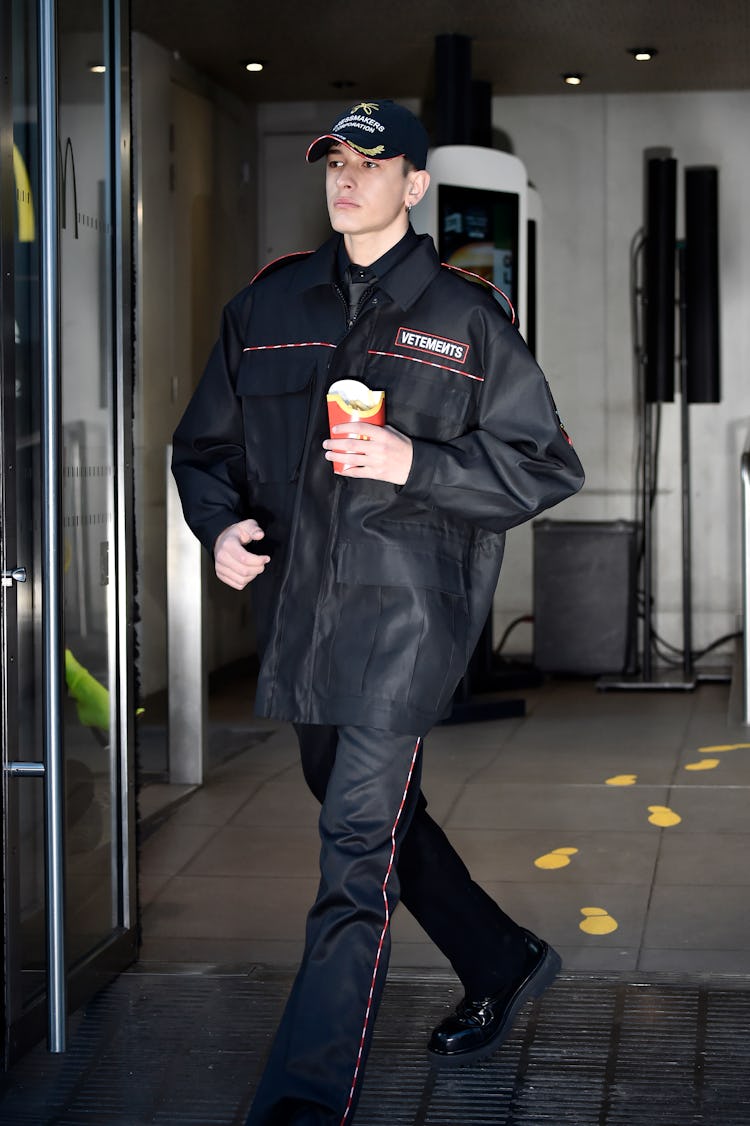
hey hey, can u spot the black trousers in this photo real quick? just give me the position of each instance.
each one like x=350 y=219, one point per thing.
x=378 y=842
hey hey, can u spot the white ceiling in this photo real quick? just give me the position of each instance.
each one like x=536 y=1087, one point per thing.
x=386 y=47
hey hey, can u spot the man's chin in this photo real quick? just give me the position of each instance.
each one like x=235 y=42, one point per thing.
x=345 y=223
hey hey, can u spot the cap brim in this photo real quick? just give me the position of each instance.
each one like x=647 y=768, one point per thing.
x=321 y=145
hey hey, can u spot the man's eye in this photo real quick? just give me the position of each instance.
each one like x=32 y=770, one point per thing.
x=371 y=164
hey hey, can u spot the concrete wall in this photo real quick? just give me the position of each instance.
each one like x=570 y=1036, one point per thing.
x=584 y=154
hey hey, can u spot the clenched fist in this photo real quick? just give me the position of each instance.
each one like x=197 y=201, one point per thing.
x=234 y=565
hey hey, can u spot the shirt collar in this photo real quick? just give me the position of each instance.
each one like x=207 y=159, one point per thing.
x=406 y=275
x=387 y=261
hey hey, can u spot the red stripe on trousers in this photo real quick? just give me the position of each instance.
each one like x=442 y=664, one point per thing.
x=382 y=936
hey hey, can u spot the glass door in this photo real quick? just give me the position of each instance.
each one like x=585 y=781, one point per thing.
x=66 y=504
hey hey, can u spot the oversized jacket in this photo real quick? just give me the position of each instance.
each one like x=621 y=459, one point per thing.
x=376 y=594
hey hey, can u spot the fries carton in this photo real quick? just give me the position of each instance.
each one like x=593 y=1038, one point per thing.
x=352 y=401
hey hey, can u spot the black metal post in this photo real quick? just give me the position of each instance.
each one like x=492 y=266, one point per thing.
x=647 y=535
x=687 y=562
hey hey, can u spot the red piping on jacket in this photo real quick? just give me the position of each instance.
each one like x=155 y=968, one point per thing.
x=303 y=344
x=281 y=258
x=382 y=935
x=429 y=363
x=484 y=281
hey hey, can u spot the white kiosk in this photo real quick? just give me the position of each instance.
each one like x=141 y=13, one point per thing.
x=477 y=211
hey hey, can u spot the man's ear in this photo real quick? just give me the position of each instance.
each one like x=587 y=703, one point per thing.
x=418 y=183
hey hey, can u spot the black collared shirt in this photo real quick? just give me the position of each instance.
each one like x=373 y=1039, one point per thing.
x=356 y=280
x=386 y=261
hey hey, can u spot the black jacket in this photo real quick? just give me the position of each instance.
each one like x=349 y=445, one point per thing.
x=376 y=594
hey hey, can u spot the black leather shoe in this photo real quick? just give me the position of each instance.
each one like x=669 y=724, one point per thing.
x=479 y=1026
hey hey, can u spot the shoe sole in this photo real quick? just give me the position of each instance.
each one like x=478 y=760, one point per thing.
x=535 y=986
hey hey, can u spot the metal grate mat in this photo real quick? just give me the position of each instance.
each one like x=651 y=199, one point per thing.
x=156 y=1049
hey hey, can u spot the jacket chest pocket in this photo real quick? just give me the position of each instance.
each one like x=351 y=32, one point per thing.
x=275 y=387
x=434 y=407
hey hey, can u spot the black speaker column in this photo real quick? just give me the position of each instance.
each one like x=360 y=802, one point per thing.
x=703 y=383
x=695 y=261
x=661 y=225
x=453 y=93
x=481 y=113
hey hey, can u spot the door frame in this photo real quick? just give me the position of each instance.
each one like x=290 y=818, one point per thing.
x=21 y=1026
x=8 y=691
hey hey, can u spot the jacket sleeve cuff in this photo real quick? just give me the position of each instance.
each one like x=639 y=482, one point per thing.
x=418 y=485
x=210 y=531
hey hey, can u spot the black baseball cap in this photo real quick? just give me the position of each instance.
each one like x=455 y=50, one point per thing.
x=379 y=129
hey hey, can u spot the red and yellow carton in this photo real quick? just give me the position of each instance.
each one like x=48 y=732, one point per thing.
x=352 y=401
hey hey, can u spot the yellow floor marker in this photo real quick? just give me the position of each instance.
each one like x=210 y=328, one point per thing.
x=623 y=780
x=702 y=764
x=558 y=858
x=663 y=816
x=723 y=747
x=597 y=921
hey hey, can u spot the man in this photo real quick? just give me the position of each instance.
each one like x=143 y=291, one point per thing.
x=371 y=586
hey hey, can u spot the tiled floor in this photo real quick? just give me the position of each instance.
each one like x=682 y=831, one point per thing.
x=228 y=876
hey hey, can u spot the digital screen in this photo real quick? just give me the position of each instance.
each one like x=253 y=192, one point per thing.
x=478 y=231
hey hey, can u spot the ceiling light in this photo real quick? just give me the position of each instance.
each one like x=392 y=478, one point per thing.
x=573 y=79
x=642 y=54
x=97 y=68
x=254 y=66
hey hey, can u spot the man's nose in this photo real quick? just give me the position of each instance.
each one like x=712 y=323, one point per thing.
x=345 y=176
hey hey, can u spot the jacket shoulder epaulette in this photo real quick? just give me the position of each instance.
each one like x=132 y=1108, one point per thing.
x=276 y=264
x=477 y=279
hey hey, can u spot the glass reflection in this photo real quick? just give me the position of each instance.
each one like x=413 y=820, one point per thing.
x=29 y=814
x=93 y=838
x=88 y=471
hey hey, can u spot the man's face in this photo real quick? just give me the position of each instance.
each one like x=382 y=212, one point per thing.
x=366 y=196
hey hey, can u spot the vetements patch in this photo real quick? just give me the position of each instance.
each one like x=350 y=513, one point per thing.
x=427 y=342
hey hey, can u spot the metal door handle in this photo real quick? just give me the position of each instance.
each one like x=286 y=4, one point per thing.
x=17 y=575
x=25 y=769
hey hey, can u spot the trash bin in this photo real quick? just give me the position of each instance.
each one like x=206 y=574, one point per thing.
x=585 y=612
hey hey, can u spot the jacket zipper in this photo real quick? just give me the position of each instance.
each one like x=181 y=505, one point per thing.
x=360 y=304
x=344 y=302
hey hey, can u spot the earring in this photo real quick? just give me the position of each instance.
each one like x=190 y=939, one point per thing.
x=408 y=208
